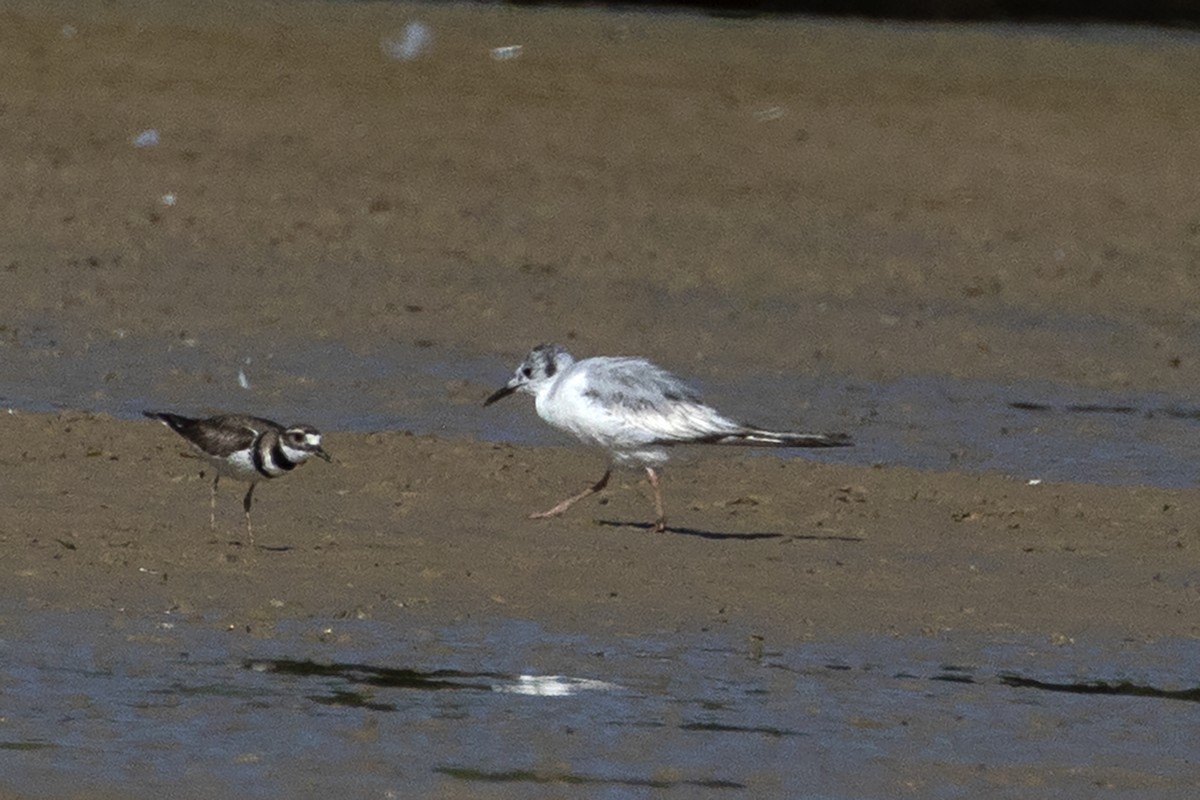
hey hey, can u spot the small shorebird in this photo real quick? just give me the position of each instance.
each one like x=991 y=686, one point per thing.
x=634 y=410
x=245 y=448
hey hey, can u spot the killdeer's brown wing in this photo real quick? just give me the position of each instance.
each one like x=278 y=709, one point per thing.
x=218 y=436
x=226 y=434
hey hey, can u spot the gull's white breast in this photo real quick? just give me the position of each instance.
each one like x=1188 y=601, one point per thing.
x=597 y=401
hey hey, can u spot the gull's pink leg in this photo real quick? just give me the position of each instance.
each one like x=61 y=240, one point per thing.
x=660 y=524
x=570 y=501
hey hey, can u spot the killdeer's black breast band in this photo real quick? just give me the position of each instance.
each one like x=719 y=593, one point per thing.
x=258 y=456
x=279 y=457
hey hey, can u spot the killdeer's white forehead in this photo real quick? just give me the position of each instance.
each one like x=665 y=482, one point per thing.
x=313 y=439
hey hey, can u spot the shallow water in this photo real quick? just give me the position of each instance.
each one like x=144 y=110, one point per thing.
x=498 y=708
x=376 y=708
x=1031 y=430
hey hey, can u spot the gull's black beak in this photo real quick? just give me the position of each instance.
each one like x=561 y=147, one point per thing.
x=499 y=394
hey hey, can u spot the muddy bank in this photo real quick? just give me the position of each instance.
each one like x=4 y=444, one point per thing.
x=718 y=194
x=108 y=514
x=193 y=190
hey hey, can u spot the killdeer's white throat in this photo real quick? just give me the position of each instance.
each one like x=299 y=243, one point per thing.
x=245 y=448
x=634 y=410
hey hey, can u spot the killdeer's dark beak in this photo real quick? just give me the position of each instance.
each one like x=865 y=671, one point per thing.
x=499 y=394
x=319 y=453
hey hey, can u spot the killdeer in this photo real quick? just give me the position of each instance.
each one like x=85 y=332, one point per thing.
x=634 y=410
x=245 y=448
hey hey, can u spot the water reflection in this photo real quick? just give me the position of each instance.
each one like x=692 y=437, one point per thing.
x=392 y=678
x=142 y=707
x=1032 y=430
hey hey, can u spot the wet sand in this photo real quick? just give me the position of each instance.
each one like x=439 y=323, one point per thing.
x=719 y=195
x=727 y=197
x=112 y=514
x=850 y=200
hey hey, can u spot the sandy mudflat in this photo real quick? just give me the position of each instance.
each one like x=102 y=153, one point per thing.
x=724 y=196
x=107 y=514
x=792 y=196
x=843 y=199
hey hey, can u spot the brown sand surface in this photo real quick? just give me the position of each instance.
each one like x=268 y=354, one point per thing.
x=783 y=195
x=107 y=514
x=790 y=196
x=723 y=196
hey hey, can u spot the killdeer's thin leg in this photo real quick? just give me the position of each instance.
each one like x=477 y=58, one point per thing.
x=212 y=505
x=660 y=524
x=246 y=506
x=570 y=501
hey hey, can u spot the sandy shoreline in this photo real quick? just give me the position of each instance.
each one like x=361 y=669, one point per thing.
x=406 y=527
x=719 y=195
x=728 y=198
x=916 y=201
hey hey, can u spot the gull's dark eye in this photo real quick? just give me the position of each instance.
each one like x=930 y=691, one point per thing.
x=527 y=372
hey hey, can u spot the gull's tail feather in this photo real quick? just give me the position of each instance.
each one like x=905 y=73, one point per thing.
x=788 y=439
x=756 y=437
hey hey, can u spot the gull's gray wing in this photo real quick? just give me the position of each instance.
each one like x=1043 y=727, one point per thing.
x=634 y=384
x=632 y=402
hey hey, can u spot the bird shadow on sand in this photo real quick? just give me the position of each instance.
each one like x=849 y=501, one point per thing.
x=719 y=535
x=266 y=548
